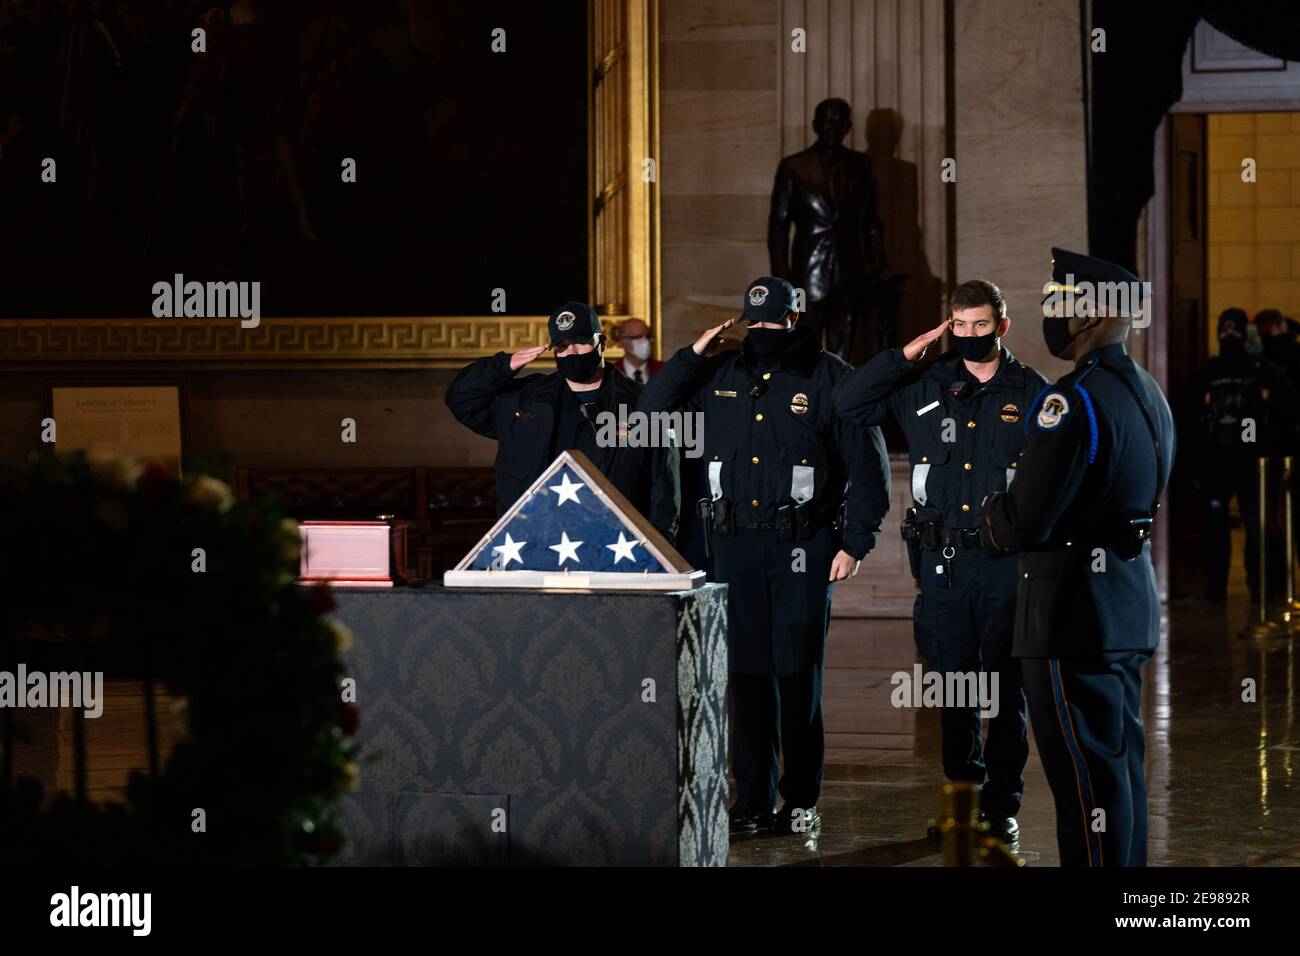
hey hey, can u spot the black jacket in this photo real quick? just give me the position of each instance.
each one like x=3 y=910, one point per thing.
x=762 y=448
x=1224 y=392
x=954 y=465
x=1089 y=461
x=520 y=413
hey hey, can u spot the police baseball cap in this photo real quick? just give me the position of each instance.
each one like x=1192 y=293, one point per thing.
x=1071 y=269
x=768 y=299
x=1233 y=322
x=574 y=322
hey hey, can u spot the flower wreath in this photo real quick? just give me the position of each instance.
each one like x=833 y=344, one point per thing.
x=130 y=571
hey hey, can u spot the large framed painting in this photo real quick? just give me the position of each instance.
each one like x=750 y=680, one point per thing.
x=383 y=183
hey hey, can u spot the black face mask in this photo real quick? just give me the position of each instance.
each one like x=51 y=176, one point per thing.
x=1057 y=335
x=973 y=348
x=1278 y=348
x=1232 y=347
x=768 y=342
x=579 y=368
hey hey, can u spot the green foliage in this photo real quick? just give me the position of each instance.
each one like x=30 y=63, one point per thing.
x=99 y=575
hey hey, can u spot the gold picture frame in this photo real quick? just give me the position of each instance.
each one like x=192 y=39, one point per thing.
x=622 y=254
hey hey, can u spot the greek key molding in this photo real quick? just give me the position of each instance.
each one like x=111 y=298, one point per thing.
x=415 y=342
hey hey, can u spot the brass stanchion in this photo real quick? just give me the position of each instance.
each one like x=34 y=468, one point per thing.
x=965 y=839
x=959 y=808
x=1263 y=628
x=1288 y=612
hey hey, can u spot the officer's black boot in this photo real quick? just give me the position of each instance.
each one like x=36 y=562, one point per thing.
x=796 y=820
x=745 y=819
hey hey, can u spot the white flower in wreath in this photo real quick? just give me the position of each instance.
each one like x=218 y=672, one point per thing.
x=113 y=471
x=342 y=636
x=211 y=493
x=292 y=539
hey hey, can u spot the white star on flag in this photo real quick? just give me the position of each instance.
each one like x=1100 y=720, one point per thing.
x=510 y=551
x=566 y=549
x=622 y=548
x=567 y=490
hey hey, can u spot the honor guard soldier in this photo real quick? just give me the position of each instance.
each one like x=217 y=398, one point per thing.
x=962 y=416
x=536 y=417
x=1099 y=451
x=795 y=500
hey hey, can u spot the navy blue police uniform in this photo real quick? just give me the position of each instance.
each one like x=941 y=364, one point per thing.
x=1099 y=451
x=789 y=484
x=964 y=441
x=535 y=417
x=963 y=444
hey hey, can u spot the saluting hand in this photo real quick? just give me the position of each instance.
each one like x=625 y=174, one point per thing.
x=521 y=358
x=707 y=342
x=914 y=349
x=844 y=567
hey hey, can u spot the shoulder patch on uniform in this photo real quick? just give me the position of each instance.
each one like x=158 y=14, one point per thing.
x=1053 y=411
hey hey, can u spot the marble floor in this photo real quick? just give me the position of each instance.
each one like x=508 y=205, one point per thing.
x=1223 y=774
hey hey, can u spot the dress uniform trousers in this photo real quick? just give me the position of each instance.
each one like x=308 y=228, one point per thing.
x=776 y=650
x=1221 y=480
x=967 y=627
x=1087 y=716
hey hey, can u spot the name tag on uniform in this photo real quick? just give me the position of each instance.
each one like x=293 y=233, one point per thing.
x=724 y=393
x=929 y=408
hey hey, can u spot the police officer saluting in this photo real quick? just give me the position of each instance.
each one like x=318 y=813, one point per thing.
x=963 y=420
x=795 y=499
x=536 y=417
x=1100 y=448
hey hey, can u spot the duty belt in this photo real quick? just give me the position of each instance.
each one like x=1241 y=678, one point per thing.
x=932 y=535
x=792 y=522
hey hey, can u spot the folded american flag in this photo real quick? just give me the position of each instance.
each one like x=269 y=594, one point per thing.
x=572 y=528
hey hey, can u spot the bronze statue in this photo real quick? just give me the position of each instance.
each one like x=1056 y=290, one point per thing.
x=828 y=192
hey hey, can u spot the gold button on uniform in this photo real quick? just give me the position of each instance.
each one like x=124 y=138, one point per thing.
x=766 y=376
x=965 y=507
x=1015 y=464
x=803 y=461
x=925 y=458
x=754 y=460
x=758 y=417
x=966 y=466
x=754 y=502
x=971 y=423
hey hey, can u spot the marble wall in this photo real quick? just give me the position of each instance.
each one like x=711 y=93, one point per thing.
x=736 y=97
x=1021 y=186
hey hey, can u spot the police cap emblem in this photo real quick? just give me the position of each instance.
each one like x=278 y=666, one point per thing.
x=758 y=295
x=564 y=321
